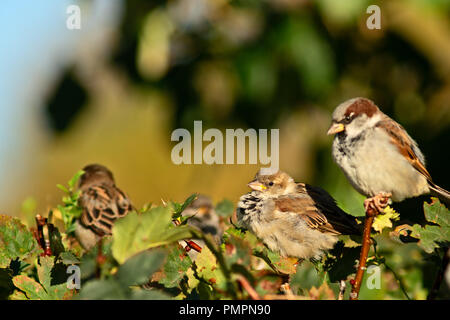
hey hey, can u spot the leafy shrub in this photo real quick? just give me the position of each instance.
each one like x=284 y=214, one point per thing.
x=144 y=259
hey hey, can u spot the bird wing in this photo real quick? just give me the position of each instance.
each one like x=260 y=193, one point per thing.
x=405 y=145
x=307 y=210
x=102 y=205
x=320 y=211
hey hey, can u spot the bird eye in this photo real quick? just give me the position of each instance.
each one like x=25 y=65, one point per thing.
x=270 y=184
x=347 y=119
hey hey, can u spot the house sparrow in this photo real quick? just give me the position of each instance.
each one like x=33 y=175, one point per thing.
x=102 y=203
x=294 y=219
x=202 y=215
x=378 y=156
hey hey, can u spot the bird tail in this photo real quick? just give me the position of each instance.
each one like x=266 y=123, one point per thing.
x=439 y=192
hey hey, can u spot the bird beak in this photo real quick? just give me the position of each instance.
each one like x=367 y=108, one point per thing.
x=258 y=186
x=336 y=128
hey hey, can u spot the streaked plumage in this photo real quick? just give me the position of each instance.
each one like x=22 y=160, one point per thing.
x=102 y=203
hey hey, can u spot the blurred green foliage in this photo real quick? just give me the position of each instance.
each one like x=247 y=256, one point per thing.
x=143 y=259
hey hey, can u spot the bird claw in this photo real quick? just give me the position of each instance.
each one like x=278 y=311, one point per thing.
x=376 y=204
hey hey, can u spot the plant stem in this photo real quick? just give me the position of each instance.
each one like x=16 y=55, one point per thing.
x=356 y=284
x=248 y=287
x=399 y=280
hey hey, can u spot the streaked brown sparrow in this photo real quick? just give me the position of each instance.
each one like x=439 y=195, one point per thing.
x=102 y=203
x=294 y=219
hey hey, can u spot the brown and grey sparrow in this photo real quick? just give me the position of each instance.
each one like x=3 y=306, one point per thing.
x=378 y=156
x=294 y=219
x=203 y=216
x=102 y=203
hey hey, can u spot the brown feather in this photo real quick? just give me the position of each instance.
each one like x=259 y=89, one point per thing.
x=404 y=144
x=309 y=211
x=102 y=205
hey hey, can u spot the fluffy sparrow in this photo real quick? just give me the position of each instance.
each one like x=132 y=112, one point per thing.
x=378 y=156
x=102 y=203
x=294 y=219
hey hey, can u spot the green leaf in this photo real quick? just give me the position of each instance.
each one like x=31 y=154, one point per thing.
x=61 y=187
x=305 y=278
x=16 y=241
x=437 y=213
x=72 y=182
x=103 y=290
x=32 y=289
x=138 y=232
x=433 y=236
x=225 y=208
x=237 y=250
x=286 y=265
x=45 y=268
x=188 y=201
x=68 y=258
x=151 y=294
x=138 y=269
x=42 y=290
x=175 y=268
x=209 y=270
x=179 y=208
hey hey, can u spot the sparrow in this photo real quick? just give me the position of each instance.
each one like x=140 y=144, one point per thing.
x=378 y=156
x=293 y=219
x=102 y=204
x=203 y=216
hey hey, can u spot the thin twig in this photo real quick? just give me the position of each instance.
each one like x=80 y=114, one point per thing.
x=41 y=233
x=356 y=283
x=397 y=278
x=248 y=287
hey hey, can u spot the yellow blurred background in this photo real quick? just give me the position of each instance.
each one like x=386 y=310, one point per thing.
x=113 y=91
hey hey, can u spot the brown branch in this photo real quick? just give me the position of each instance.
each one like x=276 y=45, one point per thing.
x=248 y=287
x=40 y=235
x=356 y=283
